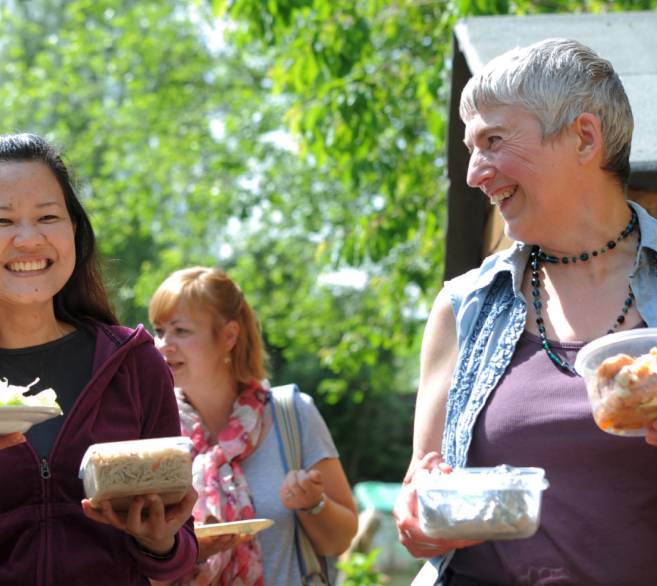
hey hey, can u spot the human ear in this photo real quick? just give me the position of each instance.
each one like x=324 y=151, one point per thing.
x=231 y=332
x=588 y=133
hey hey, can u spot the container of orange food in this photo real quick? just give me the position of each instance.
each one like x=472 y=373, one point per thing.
x=620 y=371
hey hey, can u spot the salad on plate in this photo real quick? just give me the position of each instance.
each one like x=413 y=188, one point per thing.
x=19 y=411
x=15 y=395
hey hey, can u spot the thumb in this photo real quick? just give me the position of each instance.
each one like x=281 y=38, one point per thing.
x=431 y=460
x=315 y=476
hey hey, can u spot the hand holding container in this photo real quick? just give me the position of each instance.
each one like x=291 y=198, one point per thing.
x=620 y=371
x=501 y=502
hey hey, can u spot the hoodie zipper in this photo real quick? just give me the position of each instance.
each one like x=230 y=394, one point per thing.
x=45 y=469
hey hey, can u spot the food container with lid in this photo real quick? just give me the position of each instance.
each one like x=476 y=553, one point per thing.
x=500 y=502
x=119 y=471
x=620 y=373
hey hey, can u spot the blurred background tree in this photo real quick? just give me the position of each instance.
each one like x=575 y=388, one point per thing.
x=299 y=144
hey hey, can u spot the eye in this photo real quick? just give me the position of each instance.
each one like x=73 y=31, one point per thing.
x=49 y=218
x=5 y=222
x=493 y=140
x=159 y=332
x=182 y=331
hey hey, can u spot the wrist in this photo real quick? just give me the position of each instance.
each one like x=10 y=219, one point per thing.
x=316 y=509
x=163 y=550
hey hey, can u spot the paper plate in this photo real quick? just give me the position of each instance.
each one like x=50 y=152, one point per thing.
x=247 y=527
x=19 y=418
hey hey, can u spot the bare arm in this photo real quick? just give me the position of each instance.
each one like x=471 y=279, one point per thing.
x=331 y=530
x=437 y=363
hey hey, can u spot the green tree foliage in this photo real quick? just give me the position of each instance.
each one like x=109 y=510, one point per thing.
x=130 y=91
x=173 y=136
x=360 y=570
x=366 y=87
x=285 y=140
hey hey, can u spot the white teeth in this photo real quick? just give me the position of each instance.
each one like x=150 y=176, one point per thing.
x=500 y=197
x=30 y=265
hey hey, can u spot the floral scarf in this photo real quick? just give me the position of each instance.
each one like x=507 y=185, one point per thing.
x=221 y=485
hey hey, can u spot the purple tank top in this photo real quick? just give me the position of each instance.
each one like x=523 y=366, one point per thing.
x=599 y=515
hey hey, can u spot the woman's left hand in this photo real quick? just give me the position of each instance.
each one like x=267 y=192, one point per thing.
x=11 y=439
x=154 y=528
x=301 y=489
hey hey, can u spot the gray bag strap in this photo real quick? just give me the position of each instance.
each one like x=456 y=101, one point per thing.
x=287 y=425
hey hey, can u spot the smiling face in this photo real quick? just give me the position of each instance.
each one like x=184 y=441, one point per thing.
x=529 y=178
x=37 y=236
x=188 y=344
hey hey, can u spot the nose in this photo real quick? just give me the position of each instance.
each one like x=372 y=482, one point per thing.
x=28 y=234
x=480 y=170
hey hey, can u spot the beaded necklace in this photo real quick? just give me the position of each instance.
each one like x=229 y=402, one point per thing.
x=537 y=256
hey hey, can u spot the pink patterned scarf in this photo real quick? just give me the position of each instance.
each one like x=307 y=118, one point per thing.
x=221 y=485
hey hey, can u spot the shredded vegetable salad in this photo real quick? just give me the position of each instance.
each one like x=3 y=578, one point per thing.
x=15 y=395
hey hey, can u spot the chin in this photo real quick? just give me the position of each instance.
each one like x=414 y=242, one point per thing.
x=517 y=233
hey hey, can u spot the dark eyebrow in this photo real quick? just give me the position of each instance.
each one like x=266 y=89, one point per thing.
x=45 y=204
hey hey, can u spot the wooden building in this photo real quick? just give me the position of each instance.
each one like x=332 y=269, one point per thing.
x=628 y=40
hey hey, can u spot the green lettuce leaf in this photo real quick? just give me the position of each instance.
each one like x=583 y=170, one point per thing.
x=15 y=395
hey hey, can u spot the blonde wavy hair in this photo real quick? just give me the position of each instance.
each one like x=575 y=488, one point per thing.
x=212 y=290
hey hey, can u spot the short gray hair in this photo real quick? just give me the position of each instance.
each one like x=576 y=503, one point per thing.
x=557 y=80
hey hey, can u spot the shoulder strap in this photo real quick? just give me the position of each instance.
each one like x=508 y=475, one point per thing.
x=287 y=425
x=286 y=422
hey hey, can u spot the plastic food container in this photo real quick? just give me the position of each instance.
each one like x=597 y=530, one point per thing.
x=119 y=471
x=502 y=502
x=621 y=379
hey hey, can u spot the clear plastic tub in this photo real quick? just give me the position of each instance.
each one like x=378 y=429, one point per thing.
x=621 y=379
x=502 y=502
x=119 y=471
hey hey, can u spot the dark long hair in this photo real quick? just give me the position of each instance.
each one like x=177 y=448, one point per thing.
x=84 y=296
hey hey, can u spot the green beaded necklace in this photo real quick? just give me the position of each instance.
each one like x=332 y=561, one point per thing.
x=537 y=256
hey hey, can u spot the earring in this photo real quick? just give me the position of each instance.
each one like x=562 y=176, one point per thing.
x=227 y=360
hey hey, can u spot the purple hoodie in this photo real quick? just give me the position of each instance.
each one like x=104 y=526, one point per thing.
x=45 y=539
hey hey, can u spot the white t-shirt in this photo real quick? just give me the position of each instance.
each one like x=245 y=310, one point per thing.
x=264 y=471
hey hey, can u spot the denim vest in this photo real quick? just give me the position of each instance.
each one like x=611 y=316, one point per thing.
x=491 y=312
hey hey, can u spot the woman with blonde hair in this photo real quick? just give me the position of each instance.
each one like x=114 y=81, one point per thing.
x=211 y=339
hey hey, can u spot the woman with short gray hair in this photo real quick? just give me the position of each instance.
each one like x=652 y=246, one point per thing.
x=549 y=129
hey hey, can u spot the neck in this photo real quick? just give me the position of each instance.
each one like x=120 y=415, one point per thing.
x=589 y=233
x=596 y=264
x=213 y=402
x=24 y=328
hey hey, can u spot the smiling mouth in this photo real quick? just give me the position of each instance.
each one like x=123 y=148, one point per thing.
x=28 y=266
x=498 y=198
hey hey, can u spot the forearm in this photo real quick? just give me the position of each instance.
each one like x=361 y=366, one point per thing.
x=332 y=530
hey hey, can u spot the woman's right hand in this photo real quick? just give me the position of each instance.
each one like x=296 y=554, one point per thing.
x=209 y=546
x=404 y=512
x=11 y=439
